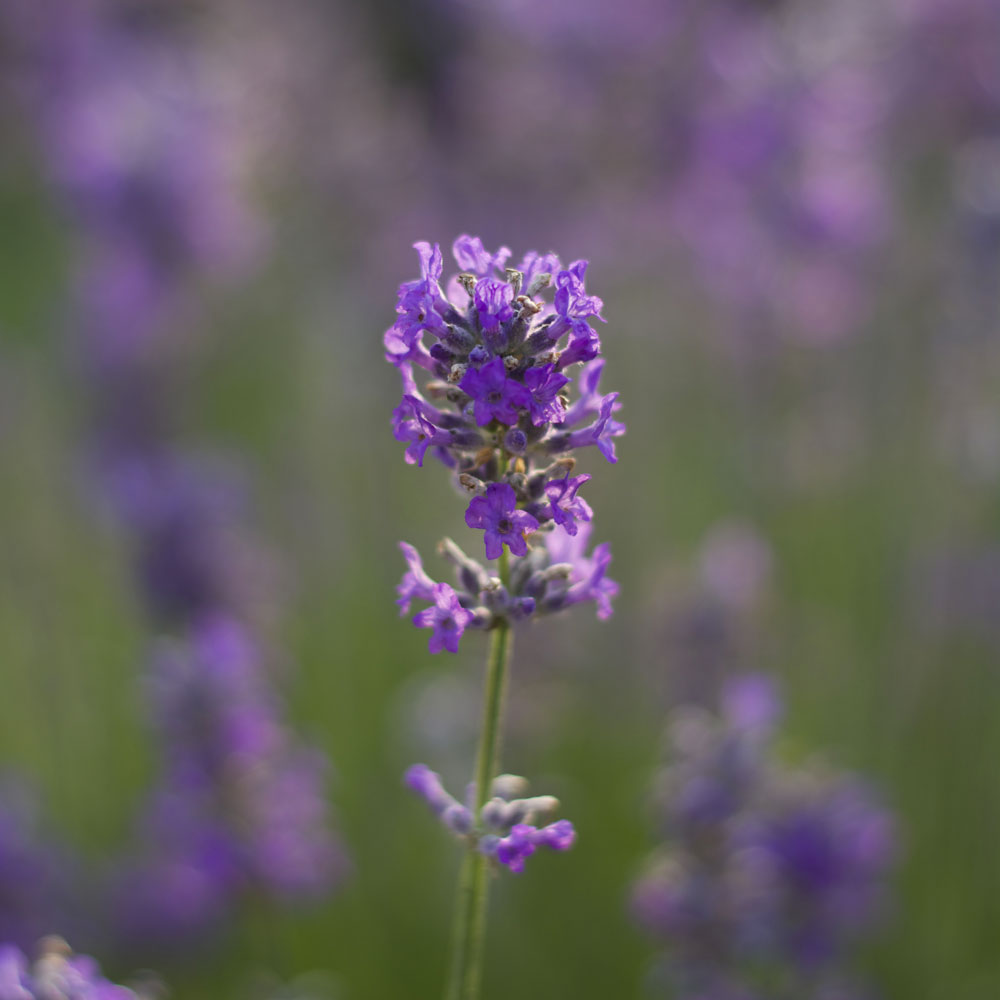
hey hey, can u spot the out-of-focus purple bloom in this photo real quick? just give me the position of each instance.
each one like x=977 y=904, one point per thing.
x=502 y=523
x=34 y=872
x=524 y=840
x=447 y=618
x=427 y=784
x=57 y=974
x=765 y=869
x=473 y=257
x=240 y=805
x=588 y=580
x=415 y=583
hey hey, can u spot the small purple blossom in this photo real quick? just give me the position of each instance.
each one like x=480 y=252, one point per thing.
x=588 y=579
x=415 y=583
x=495 y=395
x=427 y=784
x=543 y=386
x=502 y=522
x=447 y=618
x=411 y=424
x=473 y=257
x=57 y=973
x=535 y=265
x=565 y=507
x=493 y=304
x=573 y=306
x=601 y=433
x=525 y=839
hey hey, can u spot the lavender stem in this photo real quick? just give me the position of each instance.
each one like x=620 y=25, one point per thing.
x=469 y=934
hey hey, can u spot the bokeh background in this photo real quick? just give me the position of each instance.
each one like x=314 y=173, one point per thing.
x=792 y=213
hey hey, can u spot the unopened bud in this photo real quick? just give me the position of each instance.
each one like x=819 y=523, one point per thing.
x=515 y=441
x=539 y=282
x=472 y=485
x=509 y=786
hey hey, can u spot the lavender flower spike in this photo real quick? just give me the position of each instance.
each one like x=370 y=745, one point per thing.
x=498 y=410
x=765 y=871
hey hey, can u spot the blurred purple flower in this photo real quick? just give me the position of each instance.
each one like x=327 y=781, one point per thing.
x=764 y=869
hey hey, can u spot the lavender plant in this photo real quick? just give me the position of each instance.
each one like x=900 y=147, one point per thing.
x=498 y=411
x=147 y=167
x=768 y=874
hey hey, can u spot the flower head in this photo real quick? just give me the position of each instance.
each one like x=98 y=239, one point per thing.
x=510 y=392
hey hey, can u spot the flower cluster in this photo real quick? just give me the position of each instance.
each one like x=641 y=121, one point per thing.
x=768 y=873
x=57 y=974
x=134 y=135
x=504 y=830
x=241 y=803
x=498 y=410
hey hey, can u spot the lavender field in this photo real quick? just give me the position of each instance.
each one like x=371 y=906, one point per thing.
x=346 y=348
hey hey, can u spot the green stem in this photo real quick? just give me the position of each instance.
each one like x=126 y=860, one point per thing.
x=469 y=931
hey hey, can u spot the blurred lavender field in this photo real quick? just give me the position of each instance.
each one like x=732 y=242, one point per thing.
x=792 y=214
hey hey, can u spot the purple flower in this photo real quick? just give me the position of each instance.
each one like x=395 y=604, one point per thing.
x=600 y=433
x=534 y=265
x=427 y=784
x=415 y=583
x=584 y=346
x=765 y=869
x=410 y=424
x=565 y=506
x=56 y=973
x=417 y=305
x=417 y=300
x=495 y=395
x=572 y=301
x=543 y=384
x=447 y=618
x=493 y=303
x=588 y=577
x=524 y=840
x=498 y=516
x=573 y=306
x=473 y=257
x=589 y=401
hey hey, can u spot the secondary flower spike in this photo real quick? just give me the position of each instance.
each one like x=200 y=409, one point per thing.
x=510 y=391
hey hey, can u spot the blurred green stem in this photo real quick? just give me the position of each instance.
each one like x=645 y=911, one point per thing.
x=469 y=932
